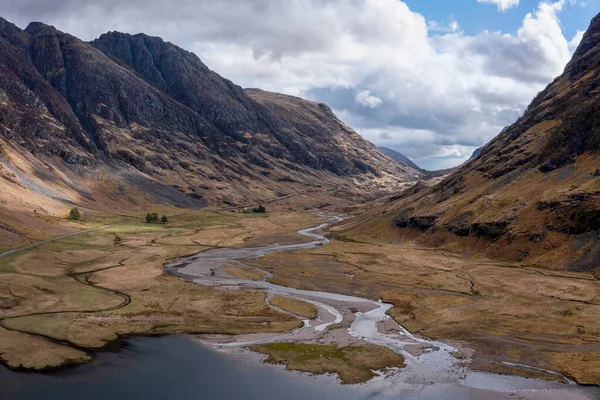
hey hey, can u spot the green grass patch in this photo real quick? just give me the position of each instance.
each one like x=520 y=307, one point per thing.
x=6 y=266
x=205 y=220
x=305 y=352
x=353 y=364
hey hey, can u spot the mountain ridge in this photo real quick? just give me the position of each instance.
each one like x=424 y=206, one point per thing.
x=426 y=174
x=131 y=121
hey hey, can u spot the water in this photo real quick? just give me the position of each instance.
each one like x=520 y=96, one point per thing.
x=436 y=371
x=170 y=367
x=178 y=367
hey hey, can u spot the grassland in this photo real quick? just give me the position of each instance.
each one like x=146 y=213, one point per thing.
x=504 y=311
x=294 y=306
x=353 y=364
x=63 y=299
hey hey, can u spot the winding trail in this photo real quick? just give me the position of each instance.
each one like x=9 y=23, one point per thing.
x=85 y=281
x=346 y=320
x=83 y=277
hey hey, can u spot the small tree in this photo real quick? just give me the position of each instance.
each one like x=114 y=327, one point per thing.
x=117 y=239
x=260 y=209
x=151 y=217
x=74 y=215
x=164 y=219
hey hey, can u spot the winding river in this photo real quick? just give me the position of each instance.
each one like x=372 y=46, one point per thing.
x=433 y=369
x=178 y=367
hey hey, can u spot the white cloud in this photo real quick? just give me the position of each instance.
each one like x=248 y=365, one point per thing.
x=452 y=26
x=365 y=99
x=429 y=87
x=573 y=43
x=503 y=5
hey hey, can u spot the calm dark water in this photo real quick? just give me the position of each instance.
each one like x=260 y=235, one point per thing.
x=170 y=367
x=177 y=367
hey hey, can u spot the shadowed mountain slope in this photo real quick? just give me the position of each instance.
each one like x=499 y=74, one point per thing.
x=130 y=120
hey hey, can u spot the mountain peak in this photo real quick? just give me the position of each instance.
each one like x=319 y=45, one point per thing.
x=590 y=40
x=36 y=28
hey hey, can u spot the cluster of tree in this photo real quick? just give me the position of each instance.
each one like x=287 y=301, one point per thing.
x=260 y=209
x=153 y=218
x=74 y=215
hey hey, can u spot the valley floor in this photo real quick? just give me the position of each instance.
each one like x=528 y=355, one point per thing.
x=61 y=301
x=521 y=321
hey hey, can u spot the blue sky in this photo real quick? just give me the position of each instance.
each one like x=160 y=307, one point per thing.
x=475 y=17
x=387 y=70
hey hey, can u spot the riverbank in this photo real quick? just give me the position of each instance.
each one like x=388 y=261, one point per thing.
x=64 y=300
x=178 y=368
x=343 y=321
x=61 y=299
x=515 y=320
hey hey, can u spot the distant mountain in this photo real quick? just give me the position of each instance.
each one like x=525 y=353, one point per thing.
x=476 y=153
x=400 y=157
x=407 y=161
x=533 y=193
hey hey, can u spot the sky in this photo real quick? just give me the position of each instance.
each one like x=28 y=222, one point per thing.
x=432 y=79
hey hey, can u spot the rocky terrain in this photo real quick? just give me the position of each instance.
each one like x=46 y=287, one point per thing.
x=128 y=121
x=533 y=193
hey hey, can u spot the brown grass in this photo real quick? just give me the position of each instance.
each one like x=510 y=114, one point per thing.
x=506 y=312
x=294 y=306
x=87 y=291
x=245 y=273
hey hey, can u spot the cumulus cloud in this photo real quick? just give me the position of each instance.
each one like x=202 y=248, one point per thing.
x=503 y=5
x=421 y=87
x=365 y=99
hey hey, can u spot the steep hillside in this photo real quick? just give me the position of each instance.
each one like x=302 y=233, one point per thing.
x=130 y=120
x=532 y=195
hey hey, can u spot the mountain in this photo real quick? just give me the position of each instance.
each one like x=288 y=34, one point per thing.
x=406 y=161
x=130 y=120
x=532 y=195
x=476 y=153
x=400 y=157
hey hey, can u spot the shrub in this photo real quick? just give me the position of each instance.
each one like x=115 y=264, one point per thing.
x=164 y=219
x=117 y=239
x=74 y=215
x=260 y=209
x=151 y=217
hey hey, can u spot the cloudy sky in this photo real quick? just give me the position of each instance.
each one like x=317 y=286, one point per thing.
x=433 y=79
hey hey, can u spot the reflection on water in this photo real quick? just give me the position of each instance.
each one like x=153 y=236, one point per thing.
x=177 y=367
x=170 y=367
